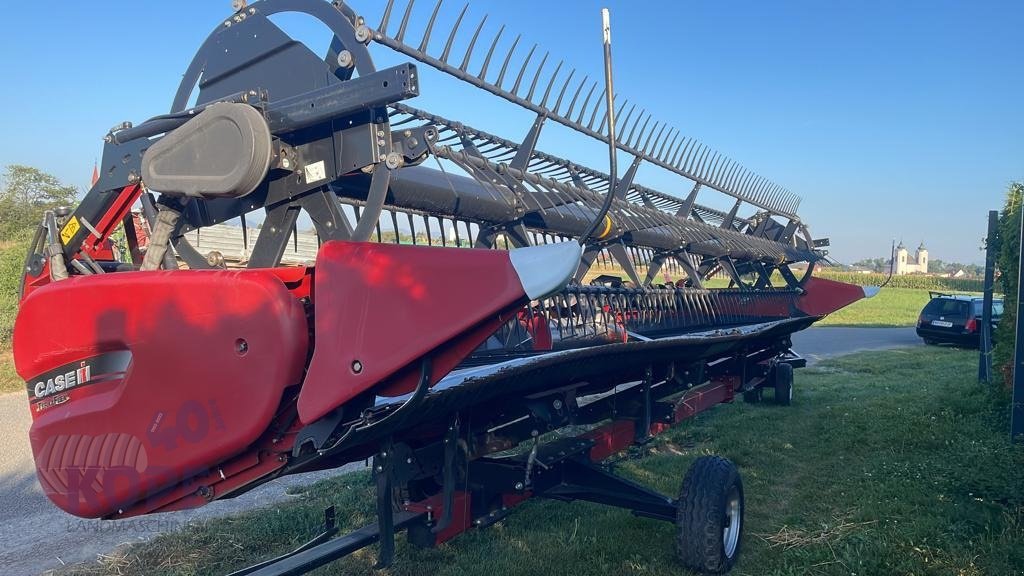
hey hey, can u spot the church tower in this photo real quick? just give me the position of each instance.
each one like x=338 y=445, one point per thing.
x=922 y=259
x=901 y=259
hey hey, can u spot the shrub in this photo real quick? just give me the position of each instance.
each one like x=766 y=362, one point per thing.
x=12 y=258
x=1007 y=247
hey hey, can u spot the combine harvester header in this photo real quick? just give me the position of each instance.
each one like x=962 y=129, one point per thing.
x=175 y=380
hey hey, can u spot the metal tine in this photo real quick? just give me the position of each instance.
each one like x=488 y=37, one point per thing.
x=699 y=168
x=412 y=227
x=698 y=153
x=741 y=179
x=711 y=172
x=472 y=44
x=597 y=107
x=675 y=155
x=651 y=134
x=698 y=162
x=719 y=168
x=490 y=52
x=583 y=108
x=755 y=184
x=430 y=27
x=405 y=21
x=561 y=93
x=684 y=156
x=752 y=182
x=504 y=65
x=725 y=172
x=394 y=225
x=522 y=70
x=625 y=122
x=636 y=123
x=658 y=139
x=551 y=83
x=568 y=113
x=451 y=36
x=730 y=176
x=666 y=150
x=383 y=28
x=707 y=170
x=604 y=118
x=640 y=136
x=533 y=85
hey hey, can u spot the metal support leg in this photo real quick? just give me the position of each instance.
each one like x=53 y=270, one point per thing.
x=385 y=514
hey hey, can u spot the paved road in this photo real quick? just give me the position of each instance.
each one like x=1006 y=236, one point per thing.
x=37 y=536
x=822 y=342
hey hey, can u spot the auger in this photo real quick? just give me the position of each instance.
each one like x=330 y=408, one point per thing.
x=163 y=379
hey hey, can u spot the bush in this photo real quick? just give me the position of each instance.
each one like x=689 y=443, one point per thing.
x=1007 y=247
x=12 y=259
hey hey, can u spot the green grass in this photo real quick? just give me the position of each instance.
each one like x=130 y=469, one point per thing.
x=12 y=255
x=9 y=379
x=887 y=463
x=890 y=307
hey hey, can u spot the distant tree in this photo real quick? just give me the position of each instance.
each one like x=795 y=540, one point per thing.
x=25 y=193
x=873 y=264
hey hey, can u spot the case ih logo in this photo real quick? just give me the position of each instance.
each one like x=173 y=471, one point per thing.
x=62 y=382
x=49 y=389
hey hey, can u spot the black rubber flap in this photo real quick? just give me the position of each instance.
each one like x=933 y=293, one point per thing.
x=224 y=152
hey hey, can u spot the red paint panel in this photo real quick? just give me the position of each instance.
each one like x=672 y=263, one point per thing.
x=611 y=438
x=461 y=520
x=823 y=296
x=208 y=356
x=700 y=399
x=385 y=306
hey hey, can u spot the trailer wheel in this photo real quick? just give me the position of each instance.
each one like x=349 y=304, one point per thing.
x=783 y=384
x=709 y=515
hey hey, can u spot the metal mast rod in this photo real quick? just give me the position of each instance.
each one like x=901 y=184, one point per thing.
x=606 y=29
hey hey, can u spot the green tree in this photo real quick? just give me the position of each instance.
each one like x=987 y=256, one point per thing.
x=26 y=192
x=1007 y=247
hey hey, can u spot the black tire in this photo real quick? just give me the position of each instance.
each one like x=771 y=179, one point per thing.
x=710 y=503
x=752 y=396
x=783 y=384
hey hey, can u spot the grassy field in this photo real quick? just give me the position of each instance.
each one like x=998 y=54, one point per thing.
x=890 y=307
x=887 y=463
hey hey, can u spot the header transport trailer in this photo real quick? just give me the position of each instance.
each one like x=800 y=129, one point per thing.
x=160 y=379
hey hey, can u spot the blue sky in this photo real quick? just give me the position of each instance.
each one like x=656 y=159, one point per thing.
x=891 y=119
